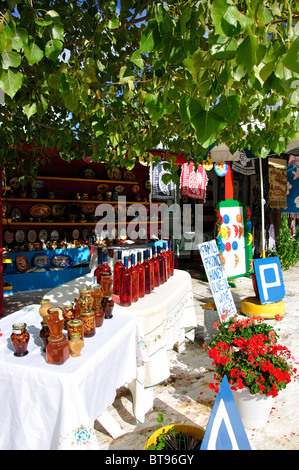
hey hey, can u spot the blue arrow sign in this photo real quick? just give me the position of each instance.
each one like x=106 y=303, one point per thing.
x=225 y=430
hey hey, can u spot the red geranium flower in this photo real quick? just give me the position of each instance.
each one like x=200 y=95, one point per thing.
x=247 y=352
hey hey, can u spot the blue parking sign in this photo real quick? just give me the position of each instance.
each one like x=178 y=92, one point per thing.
x=269 y=280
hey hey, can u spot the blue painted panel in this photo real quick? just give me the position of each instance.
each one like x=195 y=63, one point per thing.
x=225 y=430
x=269 y=280
x=48 y=278
x=43 y=280
x=78 y=255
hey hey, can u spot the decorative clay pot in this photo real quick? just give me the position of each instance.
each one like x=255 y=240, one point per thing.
x=43 y=310
x=75 y=344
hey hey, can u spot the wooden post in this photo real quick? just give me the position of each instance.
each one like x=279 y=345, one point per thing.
x=229 y=187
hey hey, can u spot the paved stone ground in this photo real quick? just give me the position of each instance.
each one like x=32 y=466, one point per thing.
x=185 y=396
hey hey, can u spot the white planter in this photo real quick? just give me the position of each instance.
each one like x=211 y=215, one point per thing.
x=254 y=410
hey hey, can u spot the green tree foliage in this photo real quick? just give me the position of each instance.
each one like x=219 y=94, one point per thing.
x=91 y=78
x=286 y=247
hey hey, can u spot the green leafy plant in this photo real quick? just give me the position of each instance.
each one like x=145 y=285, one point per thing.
x=247 y=352
x=286 y=247
x=109 y=80
x=172 y=439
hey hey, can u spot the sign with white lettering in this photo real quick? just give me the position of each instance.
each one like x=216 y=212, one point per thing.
x=217 y=279
x=225 y=430
x=269 y=279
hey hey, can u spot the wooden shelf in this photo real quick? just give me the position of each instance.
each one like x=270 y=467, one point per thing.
x=78 y=223
x=86 y=180
x=83 y=201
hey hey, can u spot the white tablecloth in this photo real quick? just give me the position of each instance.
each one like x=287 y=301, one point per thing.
x=162 y=316
x=46 y=406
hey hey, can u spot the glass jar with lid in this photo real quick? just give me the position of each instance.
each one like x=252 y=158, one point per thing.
x=68 y=313
x=89 y=324
x=75 y=326
x=20 y=339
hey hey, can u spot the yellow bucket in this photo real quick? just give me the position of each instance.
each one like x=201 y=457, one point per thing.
x=188 y=429
x=252 y=307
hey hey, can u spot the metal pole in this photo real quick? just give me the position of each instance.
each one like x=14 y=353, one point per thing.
x=262 y=209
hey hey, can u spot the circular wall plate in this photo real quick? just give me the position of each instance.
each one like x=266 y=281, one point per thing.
x=43 y=235
x=129 y=175
x=89 y=173
x=9 y=236
x=20 y=236
x=61 y=261
x=16 y=214
x=40 y=211
x=22 y=263
x=89 y=208
x=75 y=234
x=102 y=188
x=41 y=260
x=31 y=235
x=54 y=236
x=58 y=210
x=114 y=174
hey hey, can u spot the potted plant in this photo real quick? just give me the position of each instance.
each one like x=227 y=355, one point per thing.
x=175 y=437
x=256 y=366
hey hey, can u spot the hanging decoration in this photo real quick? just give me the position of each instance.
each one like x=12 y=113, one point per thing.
x=244 y=165
x=292 y=188
x=278 y=183
x=208 y=163
x=221 y=168
x=193 y=183
x=160 y=190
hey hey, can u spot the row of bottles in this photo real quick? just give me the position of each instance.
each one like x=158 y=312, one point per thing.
x=133 y=282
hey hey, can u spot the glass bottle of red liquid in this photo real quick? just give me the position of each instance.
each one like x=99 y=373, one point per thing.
x=155 y=262
x=150 y=261
x=118 y=268
x=106 y=268
x=102 y=267
x=98 y=271
x=125 y=293
x=147 y=274
x=171 y=258
x=164 y=254
x=161 y=265
x=141 y=278
x=134 y=274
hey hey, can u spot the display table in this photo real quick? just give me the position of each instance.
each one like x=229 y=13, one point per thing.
x=45 y=406
x=163 y=318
